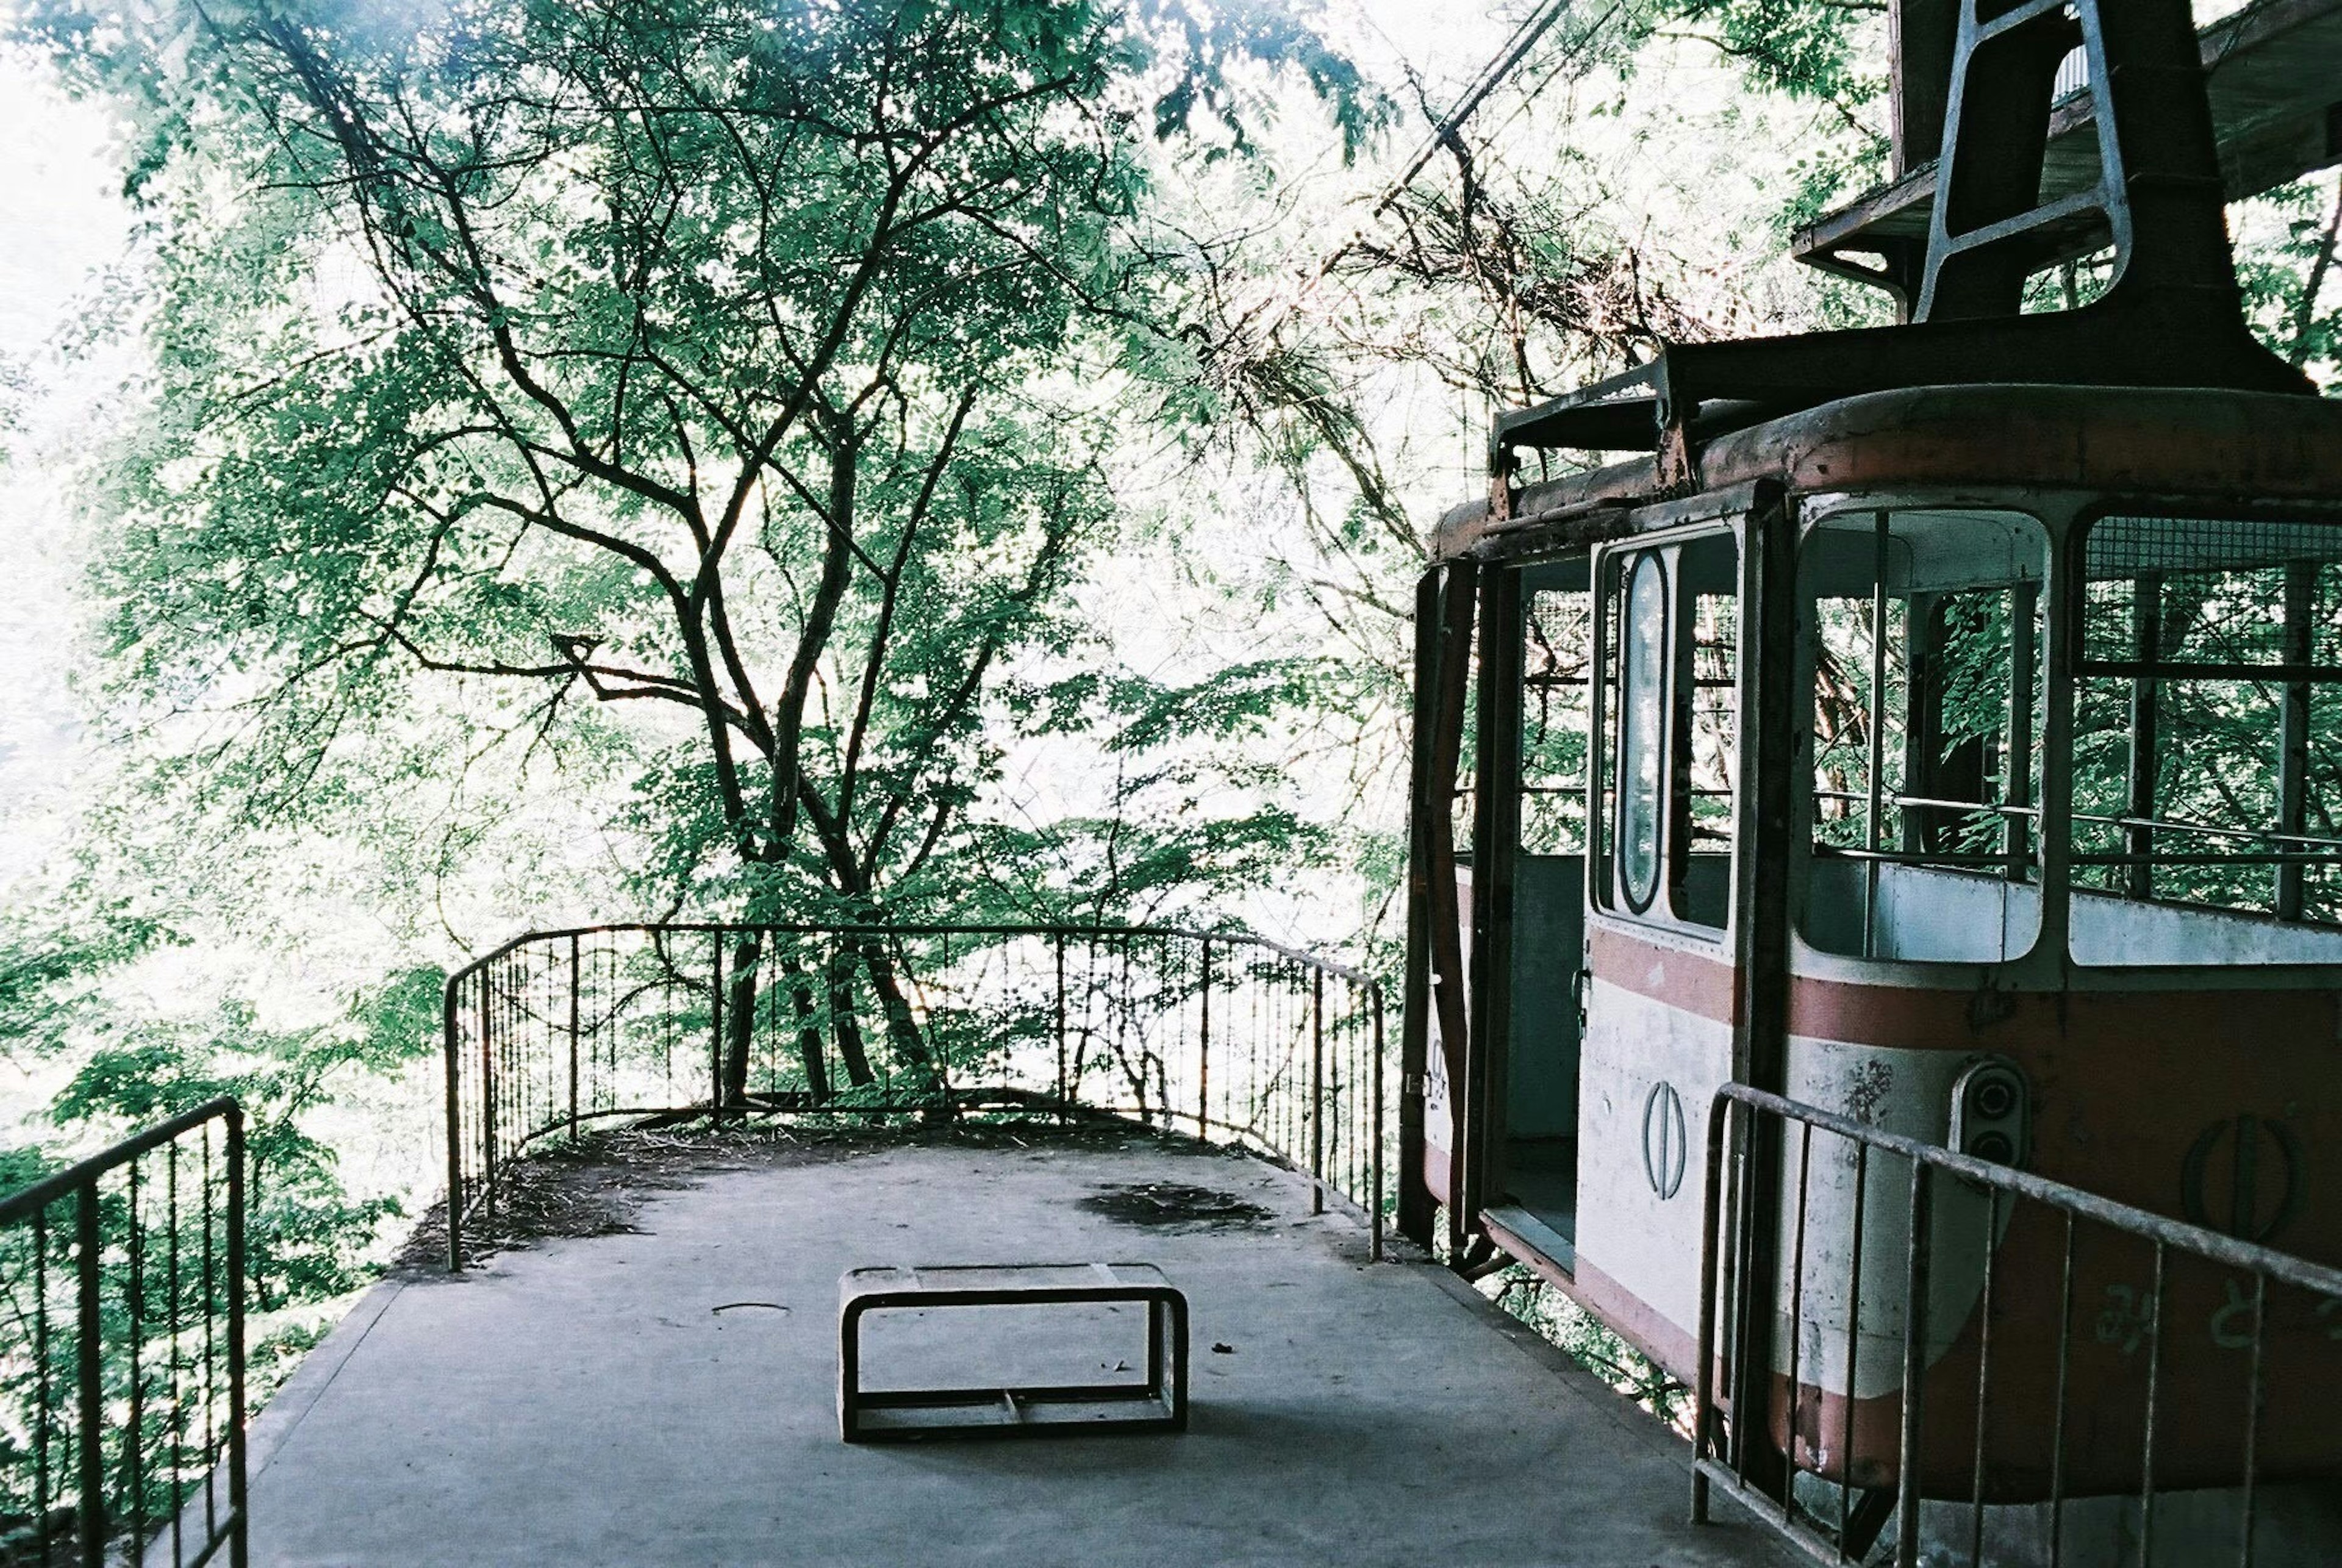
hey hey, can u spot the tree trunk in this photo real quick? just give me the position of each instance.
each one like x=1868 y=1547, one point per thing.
x=902 y=1029
x=809 y=1048
x=842 y=1022
x=740 y=1022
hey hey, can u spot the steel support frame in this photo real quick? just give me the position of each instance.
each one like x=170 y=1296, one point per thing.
x=1436 y=981
x=1495 y=834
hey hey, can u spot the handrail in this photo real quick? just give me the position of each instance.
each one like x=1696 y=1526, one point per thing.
x=25 y=1201
x=1234 y=1037
x=2223 y=1249
x=1931 y=1211
x=816 y=928
x=2150 y=824
x=147 y=1289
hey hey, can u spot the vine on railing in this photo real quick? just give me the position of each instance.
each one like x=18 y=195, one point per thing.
x=1230 y=1037
x=122 y=1366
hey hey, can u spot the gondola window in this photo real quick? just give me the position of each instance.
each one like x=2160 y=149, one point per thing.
x=1922 y=632
x=1642 y=730
x=1669 y=690
x=2207 y=729
x=1556 y=656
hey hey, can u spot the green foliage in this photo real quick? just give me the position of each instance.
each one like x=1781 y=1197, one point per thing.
x=759 y=379
x=307 y=1236
x=1596 y=1348
x=70 y=995
x=1218 y=40
x=2291 y=292
x=1805 y=48
x=50 y=970
x=713 y=404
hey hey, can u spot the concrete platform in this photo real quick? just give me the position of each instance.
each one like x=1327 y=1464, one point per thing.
x=583 y=1401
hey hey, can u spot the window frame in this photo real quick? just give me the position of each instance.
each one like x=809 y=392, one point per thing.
x=2071 y=602
x=2049 y=873
x=1606 y=892
x=1662 y=739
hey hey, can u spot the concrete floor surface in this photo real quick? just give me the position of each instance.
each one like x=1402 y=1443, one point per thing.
x=583 y=1402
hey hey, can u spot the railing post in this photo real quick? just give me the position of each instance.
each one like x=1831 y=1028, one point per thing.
x=1375 y=1246
x=1060 y=1028
x=1703 y=1424
x=238 y=1504
x=573 y=1037
x=1915 y=1368
x=715 y=1024
x=89 y=1374
x=1204 y=1054
x=1317 y=1090
x=487 y=1099
x=451 y=1032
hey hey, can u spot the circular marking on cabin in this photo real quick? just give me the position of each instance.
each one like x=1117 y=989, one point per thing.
x=2258 y=1193
x=1665 y=1144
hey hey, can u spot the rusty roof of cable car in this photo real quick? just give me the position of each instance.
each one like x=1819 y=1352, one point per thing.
x=2158 y=386
x=2173 y=442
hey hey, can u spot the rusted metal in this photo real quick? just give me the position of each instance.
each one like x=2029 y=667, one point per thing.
x=1374 y=1157
x=1203 y=1042
x=2268 y=74
x=1159 y=1403
x=1317 y=1093
x=2253 y=1395
x=2171 y=317
x=89 y=1340
x=2175 y=442
x=1990 y=1250
x=108 y=1424
x=1703 y=1409
x=1918 y=1257
x=2057 y=1407
x=1797 y=1314
x=1292 y=1082
x=1939 y=1175
x=1852 y=1336
x=2147 y=1427
x=573 y=1039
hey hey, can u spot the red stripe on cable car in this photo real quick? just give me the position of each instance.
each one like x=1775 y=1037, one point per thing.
x=1672 y=975
x=1958 y=1017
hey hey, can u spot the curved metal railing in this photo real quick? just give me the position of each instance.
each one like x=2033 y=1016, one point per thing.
x=1231 y=1038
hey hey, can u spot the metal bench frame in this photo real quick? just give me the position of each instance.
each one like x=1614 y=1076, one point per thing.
x=1158 y=1404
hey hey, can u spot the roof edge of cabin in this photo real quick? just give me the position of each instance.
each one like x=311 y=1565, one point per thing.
x=2280 y=446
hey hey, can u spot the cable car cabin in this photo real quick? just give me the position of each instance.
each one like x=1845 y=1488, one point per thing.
x=1940 y=725
x=2057 y=673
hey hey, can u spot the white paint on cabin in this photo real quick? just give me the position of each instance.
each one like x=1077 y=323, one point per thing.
x=1904 y=1091
x=1929 y=914
x=1922 y=914
x=1649 y=1244
x=2111 y=930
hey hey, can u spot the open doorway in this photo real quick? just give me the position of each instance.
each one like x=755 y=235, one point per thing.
x=1540 y=1175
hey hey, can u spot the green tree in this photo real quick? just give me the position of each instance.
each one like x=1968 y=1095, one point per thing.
x=757 y=366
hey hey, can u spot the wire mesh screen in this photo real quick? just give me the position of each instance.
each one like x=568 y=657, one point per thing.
x=2126 y=546
x=2206 y=729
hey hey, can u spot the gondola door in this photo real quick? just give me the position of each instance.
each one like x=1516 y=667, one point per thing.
x=1440 y=903
x=1664 y=926
x=1529 y=899
x=1504 y=674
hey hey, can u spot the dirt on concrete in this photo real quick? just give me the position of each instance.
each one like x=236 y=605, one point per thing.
x=597 y=1185
x=1172 y=1205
